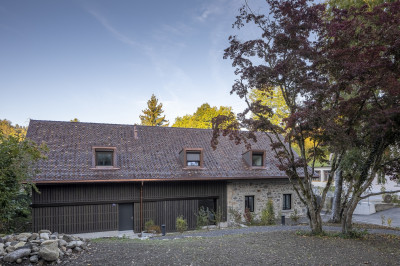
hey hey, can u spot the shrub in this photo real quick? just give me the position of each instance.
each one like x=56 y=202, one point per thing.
x=181 y=224
x=268 y=214
x=248 y=216
x=202 y=217
x=149 y=226
x=236 y=215
x=218 y=217
x=389 y=222
x=294 y=216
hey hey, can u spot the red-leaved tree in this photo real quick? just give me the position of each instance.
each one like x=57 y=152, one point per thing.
x=340 y=80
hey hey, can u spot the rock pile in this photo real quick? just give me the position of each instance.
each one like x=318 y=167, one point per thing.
x=39 y=247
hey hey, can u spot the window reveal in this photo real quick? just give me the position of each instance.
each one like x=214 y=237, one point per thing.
x=104 y=157
x=193 y=158
x=249 y=203
x=287 y=201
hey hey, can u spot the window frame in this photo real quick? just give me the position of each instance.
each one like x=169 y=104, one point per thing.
x=258 y=152
x=102 y=149
x=192 y=150
x=247 y=201
x=284 y=206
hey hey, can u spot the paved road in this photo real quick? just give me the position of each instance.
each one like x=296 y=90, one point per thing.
x=376 y=218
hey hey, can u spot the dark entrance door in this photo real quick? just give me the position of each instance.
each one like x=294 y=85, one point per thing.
x=125 y=217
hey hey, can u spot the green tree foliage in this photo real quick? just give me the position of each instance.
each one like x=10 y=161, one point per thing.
x=203 y=116
x=75 y=120
x=16 y=173
x=152 y=116
x=346 y=4
x=273 y=98
x=8 y=129
x=268 y=214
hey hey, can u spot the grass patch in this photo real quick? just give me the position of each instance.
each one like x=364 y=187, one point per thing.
x=354 y=234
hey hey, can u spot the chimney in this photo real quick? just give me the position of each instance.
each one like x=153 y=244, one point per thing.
x=135 y=136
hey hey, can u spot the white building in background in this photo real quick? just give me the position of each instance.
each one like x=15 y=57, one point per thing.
x=366 y=206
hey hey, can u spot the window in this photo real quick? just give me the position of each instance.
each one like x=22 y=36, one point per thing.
x=193 y=158
x=318 y=177
x=287 y=201
x=257 y=159
x=249 y=203
x=104 y=158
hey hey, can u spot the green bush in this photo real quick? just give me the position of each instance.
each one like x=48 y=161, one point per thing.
x=181 y=224
x=151 y=227
x=148 y=224
x=202 y=217
x=217 y=217
x=294 y=216
x=268 y=214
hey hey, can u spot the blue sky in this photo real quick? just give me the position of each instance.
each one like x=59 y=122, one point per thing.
x=101 y=60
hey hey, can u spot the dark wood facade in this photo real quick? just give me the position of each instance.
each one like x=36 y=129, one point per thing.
x=94 y=207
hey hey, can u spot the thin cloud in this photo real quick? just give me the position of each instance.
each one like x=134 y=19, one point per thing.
x=121 y=37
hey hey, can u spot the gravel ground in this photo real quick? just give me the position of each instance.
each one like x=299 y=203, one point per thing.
x=247 y=246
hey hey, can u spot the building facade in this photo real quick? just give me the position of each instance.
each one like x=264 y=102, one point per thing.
x=107 y=177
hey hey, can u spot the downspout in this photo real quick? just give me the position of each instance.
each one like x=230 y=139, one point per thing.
x=141 y=207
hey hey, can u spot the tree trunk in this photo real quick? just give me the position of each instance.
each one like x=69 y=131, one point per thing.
x=347 y=216
x=337 y=197
x=315 y=219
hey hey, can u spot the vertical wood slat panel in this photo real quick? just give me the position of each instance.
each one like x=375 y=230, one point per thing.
x=91 y=218
x=76 y=219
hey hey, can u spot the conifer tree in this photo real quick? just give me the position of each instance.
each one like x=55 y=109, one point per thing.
x=152 y=116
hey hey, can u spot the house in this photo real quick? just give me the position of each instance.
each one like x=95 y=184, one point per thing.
x=107 y=177
x=366 y=206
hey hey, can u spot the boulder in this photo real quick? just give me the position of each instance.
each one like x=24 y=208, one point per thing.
x=34 y=259
x=44 y=236
x=27 y=245
x=72 y=244
x=17 y=254
x=45 y=231
x=23 y=236
x=49 y=250
x=35 y=248
x=10 y=249
x=62 y=243
x=19 y=260
x=34 y=236
x=2 y=251
x=77 y=249
x=68 y=238
x=79 y=243
x=19 y=244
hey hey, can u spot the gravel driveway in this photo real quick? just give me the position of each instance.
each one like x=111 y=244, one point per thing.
x=247 y=246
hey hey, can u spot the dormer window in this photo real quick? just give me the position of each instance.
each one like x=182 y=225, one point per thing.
x=255 y=158
x=104 y=158
x=192 y=157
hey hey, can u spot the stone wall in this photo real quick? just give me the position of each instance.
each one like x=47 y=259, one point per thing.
x=262 y=190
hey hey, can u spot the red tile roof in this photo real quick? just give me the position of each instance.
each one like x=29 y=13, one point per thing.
x=154 y=155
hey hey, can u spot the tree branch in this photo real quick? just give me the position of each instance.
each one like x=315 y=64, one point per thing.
x=379 y=193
